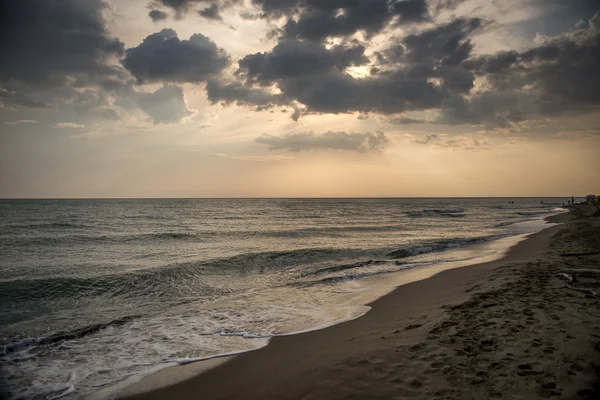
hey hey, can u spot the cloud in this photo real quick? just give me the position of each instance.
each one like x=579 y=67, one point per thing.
x=235 y=92
x=276 y=8
x=360 y=142
x=21 y=121
x=430 y=137
x=290 y=59
x=557 y=76
x=211 y=12
x=163 y=57
x=407 y=121
x=322 y=19
x=60 y=54
x=277 y=157
x=47 y=44
x=19 y=99
x=408 y=77
x=69 y=125
x=182 y=7
x=166 y=105
x=454 y=143
x=157 y=15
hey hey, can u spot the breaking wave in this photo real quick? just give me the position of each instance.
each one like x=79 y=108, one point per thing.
x=56 y=338
x=433 y=212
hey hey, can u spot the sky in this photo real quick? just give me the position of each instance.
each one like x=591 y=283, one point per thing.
x=299 y=98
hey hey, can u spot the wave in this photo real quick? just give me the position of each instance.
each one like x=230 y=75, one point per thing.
x=50 y=225
x=396 y=255
x=99 y=239
x=508 y=223
x=201 y=236
x=161 y=235
x=29 y=343
x=530 y=213
x=174 y=280
x=245 y=335
x=352 y=277
x=437 y=212
x=347 y=266
x=168 y=281
x=333 y=230
x=441 y=246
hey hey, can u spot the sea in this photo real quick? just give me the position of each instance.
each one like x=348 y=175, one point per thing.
x=96 y=294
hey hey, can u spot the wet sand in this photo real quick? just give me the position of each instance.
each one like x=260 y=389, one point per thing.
x=512 y=329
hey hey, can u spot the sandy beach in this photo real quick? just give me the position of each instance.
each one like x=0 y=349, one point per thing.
x=514 y=328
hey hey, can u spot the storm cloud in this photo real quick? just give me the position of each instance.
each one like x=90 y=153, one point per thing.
x=157 y=15
x=61 y=54
x=49 y=43
x=181 y=8
x=164 y=57
x=557 y=76
x=408 y=79
x=211 y=12
x=360 y=142
x=291 y=59
x=322 y=19
x=235 y=92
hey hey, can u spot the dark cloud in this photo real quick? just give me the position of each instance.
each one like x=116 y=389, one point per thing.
x=411 y=11
x=559 y=75
x=291 y=59
x=182 y=7
x=211 y=12
x=236 y=93
x=164 y=57
x=19 y=99
x=447 y=44
x=157 y=15
x=317 y=23
x=408 y=77
x=166 y=105
x=407 y=121
x=314 y=19
x=277 y=8
x=48 y=43
x=440 y=5
x=321 y=19
x=360 y=142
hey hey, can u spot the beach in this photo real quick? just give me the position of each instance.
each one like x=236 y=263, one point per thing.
x=510 y=328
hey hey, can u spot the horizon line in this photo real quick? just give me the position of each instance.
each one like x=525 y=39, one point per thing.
x=286 y=198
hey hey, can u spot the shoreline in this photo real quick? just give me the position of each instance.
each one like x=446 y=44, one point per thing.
x=214 y=378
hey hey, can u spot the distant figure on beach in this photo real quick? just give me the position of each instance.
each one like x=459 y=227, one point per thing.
x=572 y=200
x=590 y=200
x=542 y=201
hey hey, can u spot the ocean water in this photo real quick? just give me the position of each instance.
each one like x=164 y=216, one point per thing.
x=95 y=294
